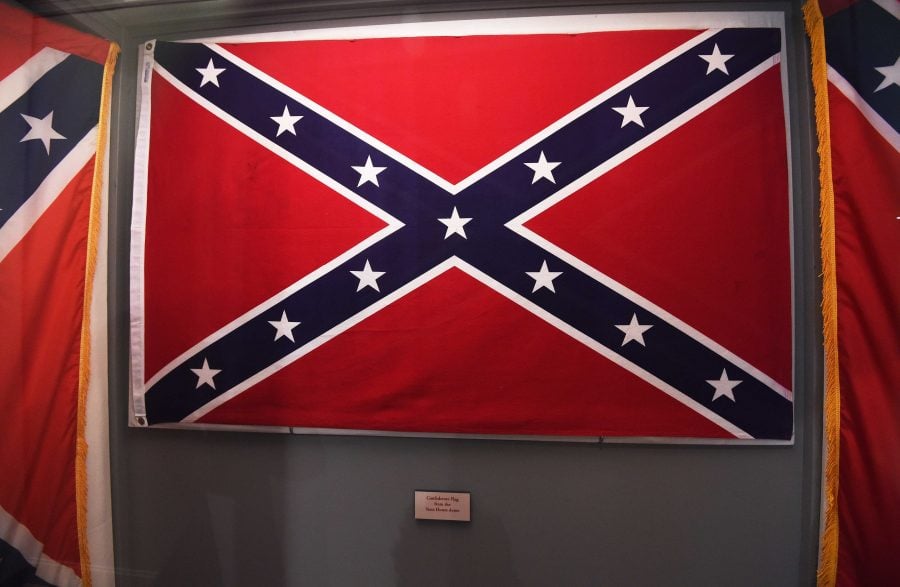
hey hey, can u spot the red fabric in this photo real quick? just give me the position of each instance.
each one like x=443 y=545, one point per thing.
x=39 y=353
x=433 y=371
x=867 y=206
x=24 y=35
x=268 y=245
x=829 y=7
x=736 y=232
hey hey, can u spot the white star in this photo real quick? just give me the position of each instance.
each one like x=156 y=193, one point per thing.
x=543 y=169
x=454 y=224
x=724 y=386
x=286 y=122
x=716 y=61
x=368 y=172
x=41 y=130
x=891 y=75
x=367 y=277
x=634 y=330
x=631 y=113
x=205 y=375
x=284 y=327
x=210 y=74
x=543 y=278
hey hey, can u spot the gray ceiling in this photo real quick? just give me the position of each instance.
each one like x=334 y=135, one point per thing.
x=140 y=19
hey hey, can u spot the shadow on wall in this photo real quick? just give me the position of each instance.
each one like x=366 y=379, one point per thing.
x=226 y=524
x=437 y=553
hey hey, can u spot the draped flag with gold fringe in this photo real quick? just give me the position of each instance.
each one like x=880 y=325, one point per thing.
x=856 y=71
x=54 y=105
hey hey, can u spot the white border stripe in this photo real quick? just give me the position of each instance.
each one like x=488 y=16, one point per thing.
x=786 y=112
x=136 y=408
x=891 y=6
x=399 y=434
x=878 y=123
x=32 y=550
x=16 y=84
x=528 y=25
x=24 y=218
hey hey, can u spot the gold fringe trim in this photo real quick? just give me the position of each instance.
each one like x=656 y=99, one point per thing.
x=84 y=371
x=828 y=544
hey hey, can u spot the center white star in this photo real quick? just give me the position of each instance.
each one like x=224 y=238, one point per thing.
x=543 y=169
x=634 y=330
x=367 y=277
x=41 y=130
x=368 y=172
x=210 y=74
x=205 y=375
x=891 y=75
x=716 y=61
x=724 y=386
x=286 y=122
x=631 y=112
x=284 y=327
x=454 y=224
x=543 y=278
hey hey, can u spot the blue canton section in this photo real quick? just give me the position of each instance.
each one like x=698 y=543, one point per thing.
x=577 y=299
x=857 y=41
x=71 y=91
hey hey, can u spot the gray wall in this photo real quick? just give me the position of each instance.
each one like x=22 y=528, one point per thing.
x=217 y=508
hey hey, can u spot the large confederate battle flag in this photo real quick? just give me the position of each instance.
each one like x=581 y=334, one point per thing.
x=51 y=129
x=530 y=226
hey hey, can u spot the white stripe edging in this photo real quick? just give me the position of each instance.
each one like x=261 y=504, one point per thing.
x=17 y=84
x=564 y=24
x=891 y=6
x=878 y=123
x=136 y=407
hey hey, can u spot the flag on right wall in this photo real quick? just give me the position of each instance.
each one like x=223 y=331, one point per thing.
x=856 y=71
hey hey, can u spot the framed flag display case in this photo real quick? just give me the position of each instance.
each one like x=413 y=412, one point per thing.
x=574 y=226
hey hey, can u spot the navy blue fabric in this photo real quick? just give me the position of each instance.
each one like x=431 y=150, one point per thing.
x=859 y=39
x=15 y=571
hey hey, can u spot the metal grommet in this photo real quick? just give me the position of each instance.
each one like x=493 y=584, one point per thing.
x=140 y=419
x=148 y=46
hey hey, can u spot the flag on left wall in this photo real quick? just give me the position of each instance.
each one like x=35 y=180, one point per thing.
x=54 y=108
